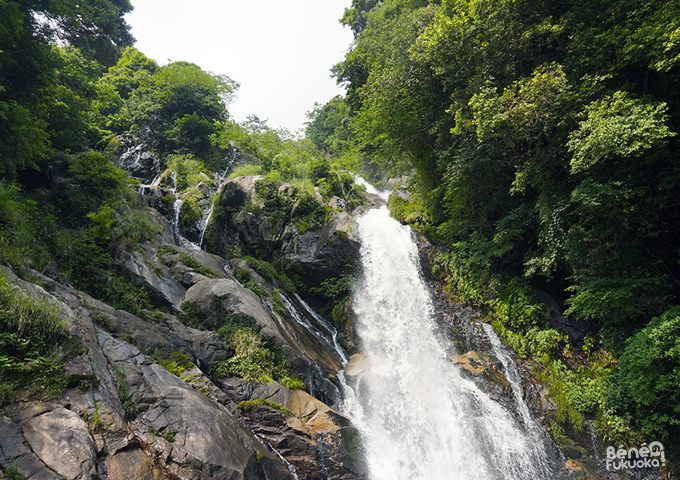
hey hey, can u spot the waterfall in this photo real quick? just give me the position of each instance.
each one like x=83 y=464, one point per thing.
x=177 y=228
x=327 y=326
x=538 y=435
x=218 y=182
x=418 y=416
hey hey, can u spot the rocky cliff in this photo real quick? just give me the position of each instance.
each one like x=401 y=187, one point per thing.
x=145 y=399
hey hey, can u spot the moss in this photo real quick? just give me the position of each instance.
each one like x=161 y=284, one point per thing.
x=292 y=383
x=197 y=267
x=279 y=307
x=262 y=402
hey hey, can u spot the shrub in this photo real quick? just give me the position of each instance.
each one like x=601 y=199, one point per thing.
x=34 y=344
x=279 y=307
x=270 y=271
x=644 y=390
x=251 y=361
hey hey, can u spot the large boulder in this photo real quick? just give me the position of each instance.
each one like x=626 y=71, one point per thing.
x=163 y=290
x=304 y=348
x=319 y=441
x=325 y=253
x=200 y=437
x=61 y=439
x=238 y=192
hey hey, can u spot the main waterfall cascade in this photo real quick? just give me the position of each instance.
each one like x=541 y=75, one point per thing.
x=418 y=416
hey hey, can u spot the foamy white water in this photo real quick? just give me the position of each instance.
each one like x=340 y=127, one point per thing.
x=419 y=418
x=384 y=194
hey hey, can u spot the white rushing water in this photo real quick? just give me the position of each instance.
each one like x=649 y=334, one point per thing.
x=419 y=418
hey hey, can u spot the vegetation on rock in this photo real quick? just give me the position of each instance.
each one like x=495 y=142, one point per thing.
x=543 y=142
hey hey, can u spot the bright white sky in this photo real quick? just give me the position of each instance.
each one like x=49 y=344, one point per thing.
x=280 y=52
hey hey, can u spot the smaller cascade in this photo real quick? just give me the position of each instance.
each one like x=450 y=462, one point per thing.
x=304 y=322
x=514 y=378
x=219 y=179
x=383 y=194
x=177 y=230
x=137 y=161
x=177 y=208
x=204 y=226
x=332 y=331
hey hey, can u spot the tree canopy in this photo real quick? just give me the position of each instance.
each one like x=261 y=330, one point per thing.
x=543 y=138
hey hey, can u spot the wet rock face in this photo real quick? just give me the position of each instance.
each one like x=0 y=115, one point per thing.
x=325 y=253
x=137 y=160
x=319 y=442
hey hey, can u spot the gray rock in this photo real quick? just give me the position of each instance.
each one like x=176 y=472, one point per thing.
x=577 y=329
x=304 y=349
x=136 y=159
x=319 y=441
x=238 y=264
x=163 y=290
x=61 y=439
x=254 y=231
x=15 y=451
x=325 y=253
x=238 y=192
x=234 y=298
x=208 y=440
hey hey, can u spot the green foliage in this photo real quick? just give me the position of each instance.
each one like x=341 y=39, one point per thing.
x=292 y=383
x=246 y=169
x=34 y=344
x=257 y=288
x=263 y=402
x=242 y=276
x=24 y=230
x=617 y=126
x=12 y=472
x=190 y=317
x=410 y=211
x=95 y=421
x=335 y=288
x=46 y=92
x=255 y=358
x=280 y=156
x=251 y=360
x=279 y=307
x=644 y=390
x=300 y=206
x=176 y=110
x=173 y=361
x=93 y=182
x=188 y=172
x=130 y=407
x=197 y=267
x=271 y=271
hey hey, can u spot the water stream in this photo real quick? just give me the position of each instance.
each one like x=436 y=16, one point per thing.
x=218 y=181
x=418 y=416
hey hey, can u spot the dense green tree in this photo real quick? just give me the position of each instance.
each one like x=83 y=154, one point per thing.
x=31 y=71
x=544 y=138
x=176 y=109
